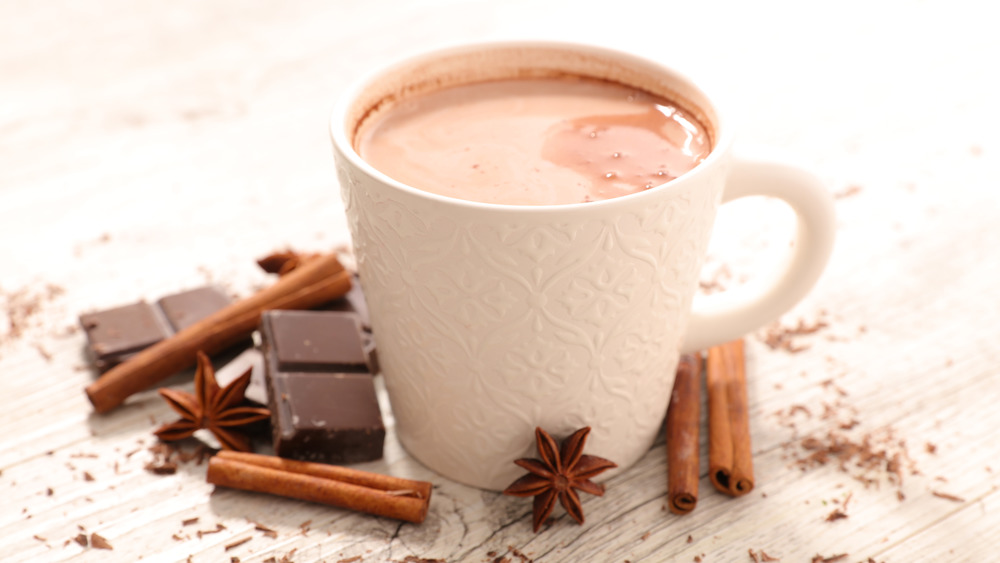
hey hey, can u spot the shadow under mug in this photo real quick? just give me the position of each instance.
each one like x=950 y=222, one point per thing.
x=494 y=319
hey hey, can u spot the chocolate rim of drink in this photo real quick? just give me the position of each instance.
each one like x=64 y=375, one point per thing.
x=468 y=63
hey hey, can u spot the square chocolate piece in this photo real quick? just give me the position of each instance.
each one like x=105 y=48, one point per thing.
x=116 y=334
x=311 y=341
x=329 y=417
x=187 y=308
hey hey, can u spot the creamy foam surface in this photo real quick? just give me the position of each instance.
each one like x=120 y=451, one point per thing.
x=534 y=141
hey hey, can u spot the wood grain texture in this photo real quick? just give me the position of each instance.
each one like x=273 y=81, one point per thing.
x=146 y=148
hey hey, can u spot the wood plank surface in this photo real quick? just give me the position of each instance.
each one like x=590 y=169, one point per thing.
x=147 y=148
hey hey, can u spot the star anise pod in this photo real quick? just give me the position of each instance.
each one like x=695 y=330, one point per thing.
x=557 y=474
x=210 y=407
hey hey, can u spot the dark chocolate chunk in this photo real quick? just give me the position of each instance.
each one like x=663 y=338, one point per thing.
x=318 y=412
x=186 y=308
x=330 y=417
x=323 y=341
x=115 y=335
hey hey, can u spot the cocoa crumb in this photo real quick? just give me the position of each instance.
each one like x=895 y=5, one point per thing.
x=46 y=355
x=39 y=538
x=948 y=496
x=820 y=559
x=350 y=559
x=847 y=192
x=49 y=492
x=268 y=532
x=237 y=543
x=930 y=448
x=189 y=521
x=837 y=514
x=690 y=539
x=98 y=541
x=161 y=468
x=779 y=337
x=82 y=540
x=753 y=556
x=21 y=308
x=646 y=536
x=87 y=476
x=517 y=553
x=218 y=528
x=718 y=279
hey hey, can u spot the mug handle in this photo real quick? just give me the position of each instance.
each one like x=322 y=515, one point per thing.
x=733 y=313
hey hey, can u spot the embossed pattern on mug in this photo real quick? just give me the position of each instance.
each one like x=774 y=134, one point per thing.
x=575 y=340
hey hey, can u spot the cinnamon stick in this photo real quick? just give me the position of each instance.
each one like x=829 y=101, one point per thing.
x=312 y=283
x=363 y=491
x=683 y=419
x=730 y=460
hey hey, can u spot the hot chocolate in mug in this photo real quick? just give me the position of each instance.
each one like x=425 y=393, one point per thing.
x=493 y=319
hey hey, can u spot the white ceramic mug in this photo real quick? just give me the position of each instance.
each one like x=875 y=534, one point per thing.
x=494 y=319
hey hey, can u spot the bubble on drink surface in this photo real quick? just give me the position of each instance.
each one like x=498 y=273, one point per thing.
x=642 y=145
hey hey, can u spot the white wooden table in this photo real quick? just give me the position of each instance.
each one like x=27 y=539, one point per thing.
x=148 y=147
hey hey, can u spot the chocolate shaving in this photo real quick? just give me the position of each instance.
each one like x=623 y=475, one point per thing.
x=779 y=337
x=271 y=533
x=849 y=191
x=21 y=308
x=218 y=528
x=948 y=496
x=98 y=541
x=837 y=514
x=238 y=543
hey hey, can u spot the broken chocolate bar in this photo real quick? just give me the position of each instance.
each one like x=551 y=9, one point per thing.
x=115 y=335
x=322 y=398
